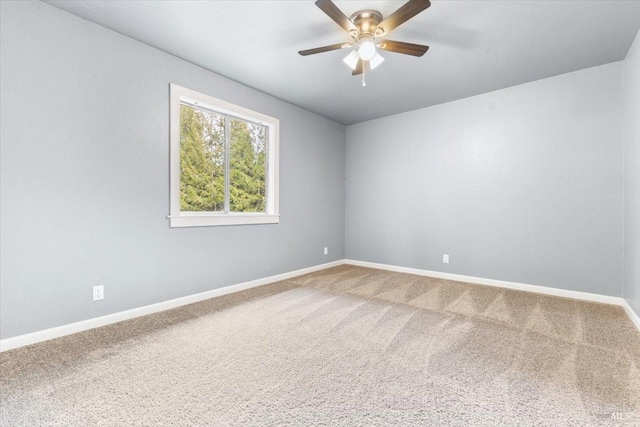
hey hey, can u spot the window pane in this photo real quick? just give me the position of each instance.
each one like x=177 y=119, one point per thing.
x=202 y=152
x=247 y=166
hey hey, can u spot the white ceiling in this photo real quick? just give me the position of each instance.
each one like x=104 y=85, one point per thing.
x=476 y=46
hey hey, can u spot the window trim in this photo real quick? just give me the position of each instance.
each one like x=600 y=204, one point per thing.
x=177 y=218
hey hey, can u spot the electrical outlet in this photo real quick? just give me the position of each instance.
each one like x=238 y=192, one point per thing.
x=98 y=293
x=445 y=259
x=326 y=251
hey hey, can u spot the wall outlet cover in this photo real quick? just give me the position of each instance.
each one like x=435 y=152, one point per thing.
x=445 y=259
x=98 y=293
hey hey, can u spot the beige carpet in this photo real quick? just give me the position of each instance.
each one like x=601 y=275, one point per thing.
x=346 y=346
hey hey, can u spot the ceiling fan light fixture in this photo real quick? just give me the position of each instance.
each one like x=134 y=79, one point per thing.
x=352 y=59
x=367 y=49
x=376 y=60
x=364 y=27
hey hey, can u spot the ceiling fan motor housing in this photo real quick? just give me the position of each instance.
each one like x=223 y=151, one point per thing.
x=366 y=21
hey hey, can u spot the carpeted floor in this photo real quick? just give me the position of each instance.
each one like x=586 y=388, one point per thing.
x=346 y=346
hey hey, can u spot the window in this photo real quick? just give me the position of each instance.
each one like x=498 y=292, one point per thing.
x=224 y=162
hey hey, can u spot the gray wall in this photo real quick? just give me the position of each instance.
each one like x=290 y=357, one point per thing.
x=632 y=176
x=85 y=184
x=523 y=184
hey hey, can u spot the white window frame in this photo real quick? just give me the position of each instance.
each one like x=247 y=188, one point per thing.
x=177 y=218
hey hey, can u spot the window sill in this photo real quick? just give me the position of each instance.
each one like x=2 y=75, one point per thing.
x=216 y=220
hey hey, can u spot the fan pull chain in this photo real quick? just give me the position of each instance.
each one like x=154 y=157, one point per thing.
x=364 y=71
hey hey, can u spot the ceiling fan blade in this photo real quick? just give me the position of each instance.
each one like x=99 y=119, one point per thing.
x=402 y=15
x=328 y=7
x=324 y=49
x=359 y=68
x=404 y=48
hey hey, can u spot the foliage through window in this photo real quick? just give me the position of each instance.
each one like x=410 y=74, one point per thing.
x=227 y=162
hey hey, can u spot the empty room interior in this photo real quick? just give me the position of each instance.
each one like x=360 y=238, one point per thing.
x=299 y=213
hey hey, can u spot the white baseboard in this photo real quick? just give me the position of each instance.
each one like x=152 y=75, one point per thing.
x=491 y=282
x=72 y=328
x=60 y=331
x=631 y=313
x=585 y=296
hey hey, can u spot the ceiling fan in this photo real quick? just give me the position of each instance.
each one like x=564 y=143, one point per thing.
x=365 y=27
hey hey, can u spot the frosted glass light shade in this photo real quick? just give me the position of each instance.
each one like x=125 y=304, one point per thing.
x=367 y=50
x=376 y=60
x=352 y=59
